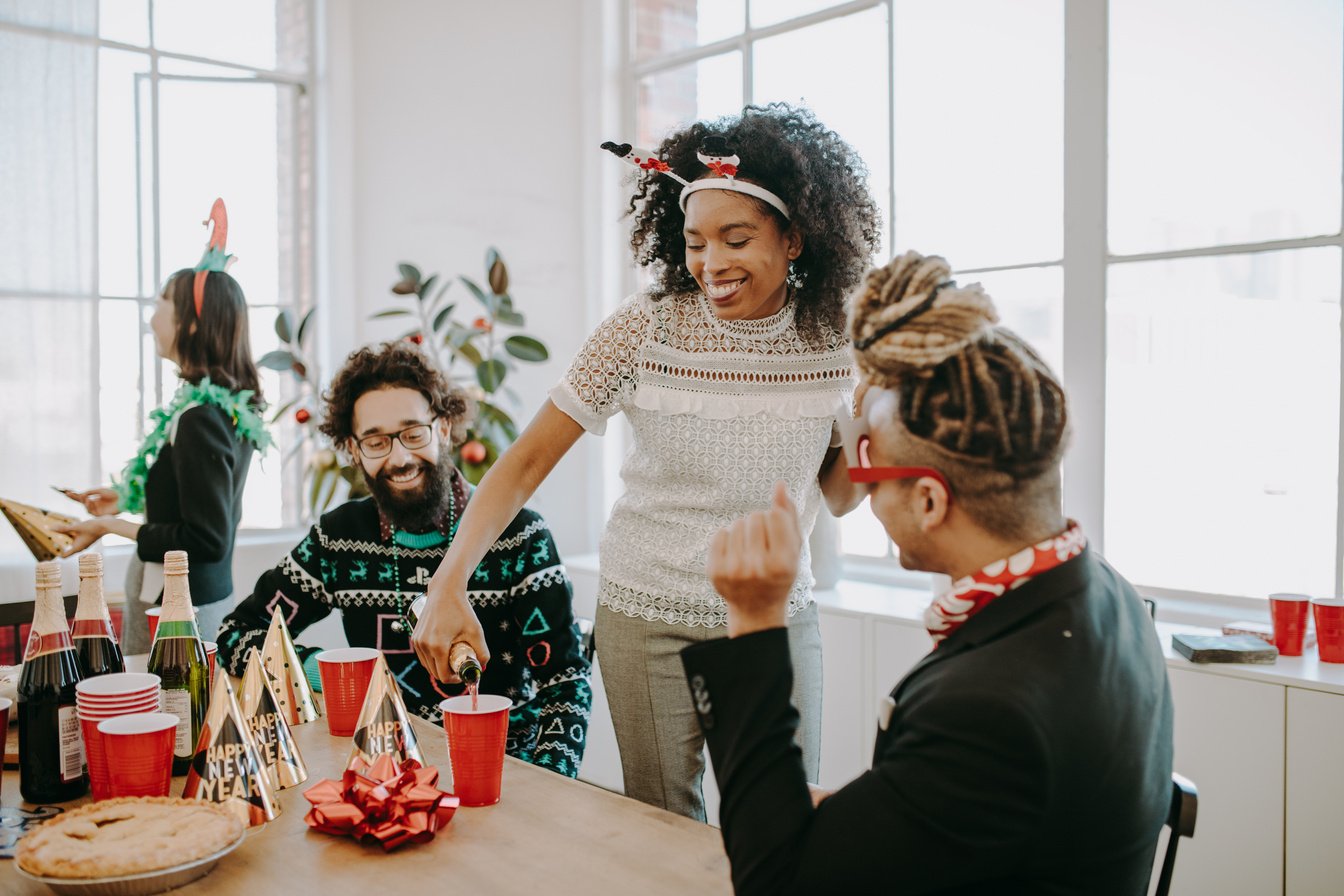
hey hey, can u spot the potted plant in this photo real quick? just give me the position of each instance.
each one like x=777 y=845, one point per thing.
x=479 y=355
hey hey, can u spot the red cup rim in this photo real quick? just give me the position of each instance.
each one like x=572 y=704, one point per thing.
x=118 y=683
x=113 y=704
x=1286 y=597
x=116 y=713
x=485 y=704
x=138 y=723
x=342 y=655
x=119 y=695
x=153 y=611
x=1328 y=601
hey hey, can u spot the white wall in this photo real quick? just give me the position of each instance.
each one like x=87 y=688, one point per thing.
x=454 y=126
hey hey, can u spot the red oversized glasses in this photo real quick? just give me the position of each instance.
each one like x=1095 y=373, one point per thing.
x=855 y=439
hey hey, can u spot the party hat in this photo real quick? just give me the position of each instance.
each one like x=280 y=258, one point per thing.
x=227 y=768
x=383 y=726
x=270 y=731
x=34 y=526
x=293 y=693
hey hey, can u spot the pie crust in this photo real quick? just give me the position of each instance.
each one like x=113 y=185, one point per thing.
x=127 y=835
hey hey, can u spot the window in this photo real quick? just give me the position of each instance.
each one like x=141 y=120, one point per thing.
x=1200 y=340
x=120 y=131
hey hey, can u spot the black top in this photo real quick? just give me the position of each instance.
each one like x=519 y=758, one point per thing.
x=194 y=499
x=1029 y=753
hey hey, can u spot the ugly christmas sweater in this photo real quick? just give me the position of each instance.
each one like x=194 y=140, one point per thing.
x=353 y=561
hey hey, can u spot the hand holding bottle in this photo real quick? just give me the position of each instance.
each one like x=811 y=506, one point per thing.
x=448 y=619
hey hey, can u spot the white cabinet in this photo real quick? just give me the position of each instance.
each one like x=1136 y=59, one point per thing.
x=896 y=650
x=843 y=753
x=1313 y=860
x=1230 y=742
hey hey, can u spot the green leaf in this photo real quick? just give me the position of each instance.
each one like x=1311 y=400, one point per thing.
x=314 y=490
x=425 y=287
x=284 y=325
x=442 y=317
x=470 y=352
x=390 y=312
x=499 y=418
x=280 y=411
x=496 y=273
x=525 y=348
x=276 y=360
x=409 y=272
x=479 y=294
x=490 y=374
x=303 y=327
x=510 y=317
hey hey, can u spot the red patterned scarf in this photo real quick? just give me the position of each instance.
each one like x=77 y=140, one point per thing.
x=970 y=594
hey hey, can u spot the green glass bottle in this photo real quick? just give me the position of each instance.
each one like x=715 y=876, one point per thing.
x=178 y=658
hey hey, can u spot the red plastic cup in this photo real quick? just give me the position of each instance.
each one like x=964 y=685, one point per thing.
x=152 y=614
x=211 y=648
x=139 y=750
x=95 y=753
x=345 y=674
x=476 y=746
x=5 y=705
x=1329 y=613
x=1288 y=613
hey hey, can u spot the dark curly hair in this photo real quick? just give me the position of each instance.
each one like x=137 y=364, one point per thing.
x=389 y=366
x=818 y=175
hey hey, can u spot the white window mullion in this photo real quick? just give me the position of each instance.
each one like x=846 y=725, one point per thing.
x=1085 y=183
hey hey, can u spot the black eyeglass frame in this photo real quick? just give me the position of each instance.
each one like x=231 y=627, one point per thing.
x=395 y=437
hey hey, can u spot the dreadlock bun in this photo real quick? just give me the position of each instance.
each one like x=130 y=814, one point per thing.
x=957 y=316
x=971 y=388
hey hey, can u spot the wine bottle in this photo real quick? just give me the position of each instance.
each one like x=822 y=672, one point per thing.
x=95 y=644
x=52 y=768
x=464 y=663
x=178 y=658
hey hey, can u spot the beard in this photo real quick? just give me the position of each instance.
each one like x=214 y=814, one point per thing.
x=414 y=510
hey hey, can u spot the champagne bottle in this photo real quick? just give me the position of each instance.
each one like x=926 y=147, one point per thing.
x=468 y=668
x=95 y=644
x=178 y=658
x=52 y=768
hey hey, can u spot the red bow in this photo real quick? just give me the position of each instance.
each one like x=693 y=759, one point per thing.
x=393 y=804
x=722 y=169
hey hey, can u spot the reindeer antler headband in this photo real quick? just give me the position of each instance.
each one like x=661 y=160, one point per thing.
x=714 y=155
x=215 y=258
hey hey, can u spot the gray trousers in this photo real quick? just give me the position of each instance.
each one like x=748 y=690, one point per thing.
x=134 y=625
x=657 y=729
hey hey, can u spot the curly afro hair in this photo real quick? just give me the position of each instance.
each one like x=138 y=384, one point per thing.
x=389 y=366
x=818 y=175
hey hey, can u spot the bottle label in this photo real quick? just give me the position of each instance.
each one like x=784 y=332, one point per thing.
x=72 y=744
x=39 y=645
x=175 y=629
x=91 y=628
x=178 y=702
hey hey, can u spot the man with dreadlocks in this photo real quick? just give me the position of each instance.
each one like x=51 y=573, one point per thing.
x=1030 y=751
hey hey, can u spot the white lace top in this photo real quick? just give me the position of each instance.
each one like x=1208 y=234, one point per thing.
x=720 y=410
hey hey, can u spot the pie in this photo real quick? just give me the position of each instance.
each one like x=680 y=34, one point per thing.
x=128 y=835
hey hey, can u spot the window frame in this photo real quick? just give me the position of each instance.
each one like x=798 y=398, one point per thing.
x=1085 y=262
x=304 y=203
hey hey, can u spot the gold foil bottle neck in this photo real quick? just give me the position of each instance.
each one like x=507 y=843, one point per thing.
x=48 y=575
x=90 y=565
x=175 y=563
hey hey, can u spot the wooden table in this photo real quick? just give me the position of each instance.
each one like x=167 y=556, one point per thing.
x=548 y=834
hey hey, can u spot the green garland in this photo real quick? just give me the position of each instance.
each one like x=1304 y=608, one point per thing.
x=130 y=486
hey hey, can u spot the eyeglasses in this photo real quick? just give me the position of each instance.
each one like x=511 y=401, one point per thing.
x=855 y=439
x=411 y=438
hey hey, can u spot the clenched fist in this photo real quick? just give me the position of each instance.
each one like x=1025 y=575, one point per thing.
x=753 y=564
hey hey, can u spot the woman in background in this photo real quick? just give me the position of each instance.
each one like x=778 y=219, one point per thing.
x=189 y=475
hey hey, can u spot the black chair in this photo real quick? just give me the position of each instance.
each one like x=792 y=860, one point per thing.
x=1181 y=822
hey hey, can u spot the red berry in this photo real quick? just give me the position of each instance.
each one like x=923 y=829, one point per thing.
x=417 y=338
x=302 y=415
x=473 y=452
x=482 y=323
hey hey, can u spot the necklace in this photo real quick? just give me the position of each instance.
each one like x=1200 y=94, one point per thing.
x=404 y=623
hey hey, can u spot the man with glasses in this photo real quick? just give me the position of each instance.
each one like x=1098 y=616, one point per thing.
x=399 y=419
x=1031 y=750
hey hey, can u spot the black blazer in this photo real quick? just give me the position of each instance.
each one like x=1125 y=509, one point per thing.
x=194 y=499
x=1029 y=753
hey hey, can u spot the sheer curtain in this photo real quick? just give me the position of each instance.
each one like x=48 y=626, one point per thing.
x=48 y=252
